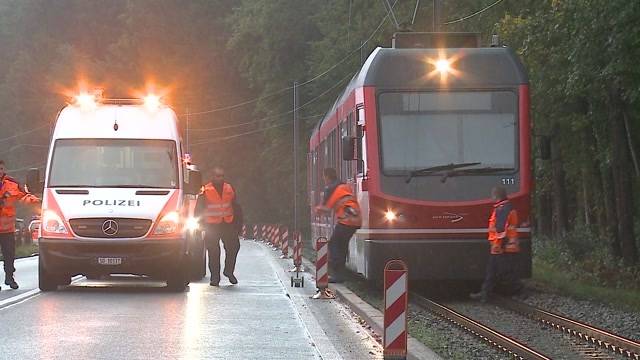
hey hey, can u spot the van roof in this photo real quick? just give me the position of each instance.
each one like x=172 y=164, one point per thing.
x=134 y=122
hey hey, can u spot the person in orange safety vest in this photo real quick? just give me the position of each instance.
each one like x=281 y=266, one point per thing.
x=218 y=207
x=340 y=198
x=504 y=246
x=10 y=193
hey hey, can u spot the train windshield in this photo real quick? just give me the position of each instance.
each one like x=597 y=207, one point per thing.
x=114 y=163
x=426 y=129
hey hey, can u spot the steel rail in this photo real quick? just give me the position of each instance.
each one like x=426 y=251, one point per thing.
x=513 y=347
x=596 y=336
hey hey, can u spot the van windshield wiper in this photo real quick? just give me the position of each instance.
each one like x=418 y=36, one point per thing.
x=434 y=169
x=481 y=170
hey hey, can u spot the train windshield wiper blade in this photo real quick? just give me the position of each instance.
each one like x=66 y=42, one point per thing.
x=433 y=169
x=482 y=170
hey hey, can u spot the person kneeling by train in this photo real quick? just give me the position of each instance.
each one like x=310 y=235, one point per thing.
x=339 y=198
x=504 y=248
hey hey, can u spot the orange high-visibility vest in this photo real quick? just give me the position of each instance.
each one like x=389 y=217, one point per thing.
x=345 y=205
x=10 y=193
x=505 y=239
x=219 y=208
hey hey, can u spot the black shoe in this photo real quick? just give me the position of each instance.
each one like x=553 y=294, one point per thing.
x=214 y=282
x=479 y=296
x=9 y=280
x=335 y=280
x=232 y=278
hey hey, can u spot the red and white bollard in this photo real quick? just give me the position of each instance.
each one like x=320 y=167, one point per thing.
x=284 y=242
x=396 y=296
x=244 y=232
x=255 y=232
x=276 y=237
x=297 y=252
x=263 y=233
x=322 y=270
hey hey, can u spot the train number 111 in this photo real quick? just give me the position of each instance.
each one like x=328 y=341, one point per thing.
x=508 y=181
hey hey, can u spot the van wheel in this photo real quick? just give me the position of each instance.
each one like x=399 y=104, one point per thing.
x=46 y=280
x=178 y=280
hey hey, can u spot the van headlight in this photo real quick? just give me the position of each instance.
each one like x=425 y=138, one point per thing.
x=169 y=224
x=52 y=223
x=192 y=224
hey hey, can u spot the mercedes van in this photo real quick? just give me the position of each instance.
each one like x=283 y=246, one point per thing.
x=118 y=194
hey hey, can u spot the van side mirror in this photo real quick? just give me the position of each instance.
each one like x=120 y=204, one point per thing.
x=348 y=148
x=545 y=147
x=195 y=182
x=34 y=184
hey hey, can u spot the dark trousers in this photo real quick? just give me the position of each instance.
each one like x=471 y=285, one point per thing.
x=8 y=246
x=339 y=246
x=229 y=236
x=493 y=273
x=502 y=275
x=510 y=276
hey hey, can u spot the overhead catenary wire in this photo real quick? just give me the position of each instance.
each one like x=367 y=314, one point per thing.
x=208 y=141
x=473 y=14
x=24 y=132
x=314 y=78
x=350 y=75
x=245 y=124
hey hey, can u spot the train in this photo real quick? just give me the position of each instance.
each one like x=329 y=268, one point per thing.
x=422 y=133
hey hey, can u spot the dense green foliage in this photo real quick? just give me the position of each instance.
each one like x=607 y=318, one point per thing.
x=210 y=54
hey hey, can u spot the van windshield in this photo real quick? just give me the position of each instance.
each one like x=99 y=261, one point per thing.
x=114 y=163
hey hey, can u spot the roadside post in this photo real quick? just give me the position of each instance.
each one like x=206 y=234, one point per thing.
x=396 y=296
x=322 y=270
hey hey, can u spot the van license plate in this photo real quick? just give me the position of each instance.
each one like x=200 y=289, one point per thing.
x=109 y=261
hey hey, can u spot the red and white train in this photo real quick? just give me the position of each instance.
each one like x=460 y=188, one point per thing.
x=422 y=133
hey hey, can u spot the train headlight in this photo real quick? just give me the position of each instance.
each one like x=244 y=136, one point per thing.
x=390 y=216
x=443 y=66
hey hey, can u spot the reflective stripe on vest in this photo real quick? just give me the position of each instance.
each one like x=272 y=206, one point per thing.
x=219 y=208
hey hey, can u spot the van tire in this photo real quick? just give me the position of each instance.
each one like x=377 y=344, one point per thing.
x=46 y=280
x=179 y=279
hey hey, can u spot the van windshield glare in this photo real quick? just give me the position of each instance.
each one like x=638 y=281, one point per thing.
x=105 y=163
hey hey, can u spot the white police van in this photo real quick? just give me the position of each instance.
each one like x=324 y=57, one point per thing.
x=118 y=195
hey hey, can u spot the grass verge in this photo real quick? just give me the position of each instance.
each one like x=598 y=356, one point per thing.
x=554 y=279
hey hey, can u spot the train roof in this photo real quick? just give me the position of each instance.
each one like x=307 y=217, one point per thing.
x=406 y=69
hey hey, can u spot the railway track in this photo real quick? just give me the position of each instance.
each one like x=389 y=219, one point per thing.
x=596 y=336
x=590 y=341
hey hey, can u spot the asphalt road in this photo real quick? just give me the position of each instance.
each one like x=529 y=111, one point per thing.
x=134 y=318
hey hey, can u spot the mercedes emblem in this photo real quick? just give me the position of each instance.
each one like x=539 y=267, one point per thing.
x=110 y=227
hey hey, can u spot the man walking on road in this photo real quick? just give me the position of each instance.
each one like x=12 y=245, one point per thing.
x=10 y=193
x=222 y=216
x=339 y=198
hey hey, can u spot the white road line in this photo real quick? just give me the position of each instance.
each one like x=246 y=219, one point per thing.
x=21 y=298
x=312 y=328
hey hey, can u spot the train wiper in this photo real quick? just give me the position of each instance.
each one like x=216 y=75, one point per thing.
x=482 y=170
x=434 y=169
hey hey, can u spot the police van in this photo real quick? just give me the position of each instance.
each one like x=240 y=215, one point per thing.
x=118 y=195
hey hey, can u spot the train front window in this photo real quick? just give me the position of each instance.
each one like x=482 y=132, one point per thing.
x=426 y=129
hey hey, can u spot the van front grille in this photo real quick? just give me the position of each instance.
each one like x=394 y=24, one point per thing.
x=110 y=228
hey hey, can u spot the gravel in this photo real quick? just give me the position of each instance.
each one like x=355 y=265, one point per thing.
x=448 y=340
x=622 y=323
x=547 y=341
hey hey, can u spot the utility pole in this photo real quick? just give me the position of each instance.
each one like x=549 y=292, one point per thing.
x=295 y=154
x=188 y=113
x=437 y=15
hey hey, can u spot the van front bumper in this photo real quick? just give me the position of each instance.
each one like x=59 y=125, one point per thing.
x=155 y=258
